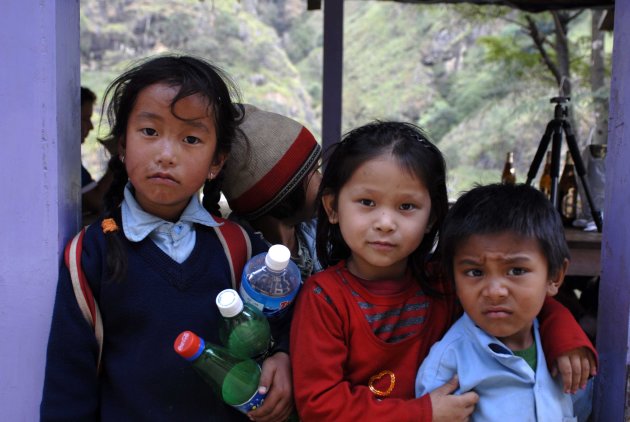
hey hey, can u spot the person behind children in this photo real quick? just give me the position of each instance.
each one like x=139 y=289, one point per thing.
x=154 y=261
x=271 y=182
x=362 y=326
x=92 y=192
x=504 y=247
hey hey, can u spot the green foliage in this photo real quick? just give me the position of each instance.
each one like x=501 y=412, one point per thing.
x=468 y=74
x=516 y=57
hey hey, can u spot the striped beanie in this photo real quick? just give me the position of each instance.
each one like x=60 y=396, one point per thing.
x=264 y=168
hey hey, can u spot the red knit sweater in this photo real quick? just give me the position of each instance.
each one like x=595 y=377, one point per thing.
x=334 y=350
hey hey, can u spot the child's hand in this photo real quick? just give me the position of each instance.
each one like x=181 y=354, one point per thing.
x=575 y=366
x=447 y=407
x=276 y=378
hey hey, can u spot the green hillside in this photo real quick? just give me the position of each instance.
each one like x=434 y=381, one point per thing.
x=473 y=82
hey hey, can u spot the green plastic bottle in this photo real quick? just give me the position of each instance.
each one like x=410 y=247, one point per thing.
x=234 y=379
x=245 y=331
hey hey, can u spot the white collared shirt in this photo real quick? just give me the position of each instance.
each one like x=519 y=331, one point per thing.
x=177 y=239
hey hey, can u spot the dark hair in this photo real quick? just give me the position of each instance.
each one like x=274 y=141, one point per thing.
x=192 y=76
x=410 y=145
x=294 y=202
x=497 y=208
x=87 y=95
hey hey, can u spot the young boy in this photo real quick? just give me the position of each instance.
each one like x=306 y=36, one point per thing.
x=504 y=247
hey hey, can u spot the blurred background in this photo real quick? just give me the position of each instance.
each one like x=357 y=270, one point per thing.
x=477 y=78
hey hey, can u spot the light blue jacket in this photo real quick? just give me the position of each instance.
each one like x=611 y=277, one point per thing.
x=508 y=388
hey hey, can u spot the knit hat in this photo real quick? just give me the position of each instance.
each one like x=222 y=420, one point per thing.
x=264 y=168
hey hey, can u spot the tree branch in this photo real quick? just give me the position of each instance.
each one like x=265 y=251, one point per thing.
x=539 y=41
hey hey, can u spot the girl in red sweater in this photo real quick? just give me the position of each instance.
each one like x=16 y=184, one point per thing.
x=363 y=326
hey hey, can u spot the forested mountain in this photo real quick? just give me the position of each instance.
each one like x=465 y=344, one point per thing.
x=469 y=75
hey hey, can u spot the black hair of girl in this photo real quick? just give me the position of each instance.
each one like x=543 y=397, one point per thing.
x=410 y=145
x=192 y=75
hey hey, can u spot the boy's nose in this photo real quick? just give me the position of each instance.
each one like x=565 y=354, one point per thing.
x=495 y=289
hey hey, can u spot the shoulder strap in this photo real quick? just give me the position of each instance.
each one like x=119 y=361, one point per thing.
x=236 y=244
x=82 y=291
x=237 y=247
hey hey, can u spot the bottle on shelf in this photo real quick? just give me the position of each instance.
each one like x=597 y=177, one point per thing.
x=235 y=380
x=245 y=331
x=568 y=192
x=509 y=173
x=270 y=281
x=545 y=180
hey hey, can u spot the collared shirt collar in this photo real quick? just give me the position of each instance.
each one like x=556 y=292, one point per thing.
x=138 y=224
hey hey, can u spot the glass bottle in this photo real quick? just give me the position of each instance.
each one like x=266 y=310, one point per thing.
x=234 y=380
x=545 y=180
x=245 y=331
x=567 y=192
x=270 y=281
x=509 y=173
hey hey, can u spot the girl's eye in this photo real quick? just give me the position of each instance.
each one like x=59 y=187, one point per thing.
x=517 y=271
x=407 y=207
x=366 y=202
x=148 y=131
x=473 y=273
x=192 y=140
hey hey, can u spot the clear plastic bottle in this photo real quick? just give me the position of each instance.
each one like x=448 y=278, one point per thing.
x=245 y=331
x=270 y=281
x=234 y=380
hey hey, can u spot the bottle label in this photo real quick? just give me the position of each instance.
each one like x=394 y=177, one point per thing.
x=253 y=403
x=568 y=204
x=269 y=305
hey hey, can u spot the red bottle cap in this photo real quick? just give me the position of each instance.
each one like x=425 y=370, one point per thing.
x=188 y=345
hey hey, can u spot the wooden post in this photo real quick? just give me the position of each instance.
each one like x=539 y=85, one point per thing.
x=611 y=386
x=332 y=86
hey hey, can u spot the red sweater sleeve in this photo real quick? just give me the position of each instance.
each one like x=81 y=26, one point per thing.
x=319 y=354
x=560 y=332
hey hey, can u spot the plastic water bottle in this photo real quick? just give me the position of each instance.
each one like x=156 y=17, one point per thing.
x=235 y=380
x=270 y=281
x=245 y=331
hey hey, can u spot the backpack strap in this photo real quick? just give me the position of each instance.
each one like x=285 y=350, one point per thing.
x=237 y=247
x=82 y=291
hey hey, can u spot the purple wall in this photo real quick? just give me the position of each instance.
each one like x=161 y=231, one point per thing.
x=39 y=179
x=614 y=300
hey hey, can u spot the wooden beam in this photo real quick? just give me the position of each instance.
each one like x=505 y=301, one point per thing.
x=313 y=4
x=534 y=6
x=332 y=86
x=613 y=319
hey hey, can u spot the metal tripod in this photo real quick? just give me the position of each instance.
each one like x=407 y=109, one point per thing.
x=555 y=128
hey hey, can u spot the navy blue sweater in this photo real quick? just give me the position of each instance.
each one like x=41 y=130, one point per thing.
x=142 y=378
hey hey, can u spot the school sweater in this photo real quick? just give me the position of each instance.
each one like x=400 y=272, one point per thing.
x=335 y=352
x=142 y=378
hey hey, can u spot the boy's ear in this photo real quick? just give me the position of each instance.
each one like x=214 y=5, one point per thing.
x=328 y=201
x=556 y=280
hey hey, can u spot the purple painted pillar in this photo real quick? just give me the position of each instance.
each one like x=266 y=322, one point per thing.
x=611 y=393
x=39 y=179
